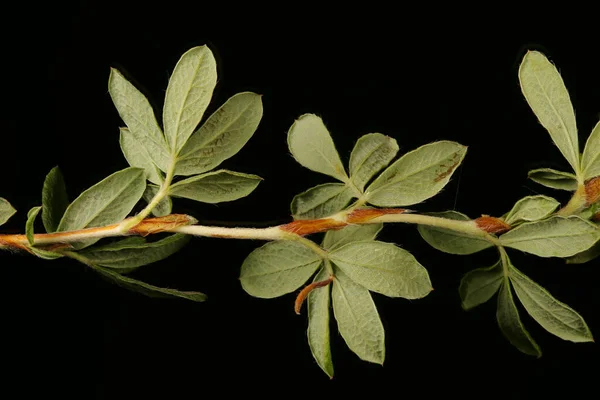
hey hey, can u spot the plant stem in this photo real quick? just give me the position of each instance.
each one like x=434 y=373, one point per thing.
x=468 y=227
x=270 y=233
x=162 y=192
x=503 y=260
x=575 y=204
x=293 y=231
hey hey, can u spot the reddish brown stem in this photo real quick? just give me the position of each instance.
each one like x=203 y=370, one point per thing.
x=306 y=291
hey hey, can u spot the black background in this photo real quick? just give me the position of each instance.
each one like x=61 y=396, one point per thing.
x=417 y=78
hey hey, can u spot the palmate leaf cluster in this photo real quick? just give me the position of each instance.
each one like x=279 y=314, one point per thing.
x=357 y=264
x=157 y=155
x=177 y=158
x=535 y=227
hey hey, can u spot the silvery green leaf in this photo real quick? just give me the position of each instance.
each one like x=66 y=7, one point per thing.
x=147 y=289
x=45 y=254
x=449 y=241
x=585 y=256
x=118 y=244
x=216 y=187
x=318 y=324
x=129 y=254
x=6 y=211
x=479 y=285
x=548 y=97
x=554 y=179
x=164 y=207
x=54 y=200
x=371 y=154
x=383 y=268
x=353 y=233
x=554 y=316
x=417 y=175
x=589 y=212
x=278 y=268
x=137 y=113
x=223 y=134
x=107 y=202
x=511 y=325
x=531 y=208
x=590 y=162
x=312 y=146
x=31 y=215
x=321 y=201
x=188 y=94
x=358 y=320
x=137 y=156
x=556 y=236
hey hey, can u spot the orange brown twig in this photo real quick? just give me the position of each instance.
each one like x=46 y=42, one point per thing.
x=592 y=191
x=306 y=291
x=306 y=226
x=367 y=214
x=161 y=224
x=492 y=224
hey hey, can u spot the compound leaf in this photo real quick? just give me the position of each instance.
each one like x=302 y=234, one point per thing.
x=548 y=97
x=278 y=268
x=216 y=187
x=358 y=320
x=383 y=268
x=417 y=175
x=312 y=146
x=321 y=201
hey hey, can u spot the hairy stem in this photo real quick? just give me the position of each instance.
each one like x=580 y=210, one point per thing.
x=575 y=204
x=163 y=191
x=177 y=223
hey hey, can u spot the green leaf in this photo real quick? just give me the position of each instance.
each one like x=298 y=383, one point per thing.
x=45 y=254
x=352 y=233
x=585 y=256
x=318 y=324
x=383 y=268
x=147 y=289
x=216 y=187
x=417 y=175
x=137 y=156
x=511 y=325
x=590 y=162
x=554 y=316
x=137 y=113
x=312 y=146
x=556 y=236
x=222 y=135
x=6 y=211
x=531 y=208
x=31 y=215
x=479 y=285
x=450 y=241
x=588 y=212
x=128 y=241
x=321 y=201
x=358 y=320
x=547 y=96
x=278 y=268
x=54 y=200
x=107 y=202
x=164 y=207
x=554 y=179
x=188 y=94
x=127 y=255
x=371 y=154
